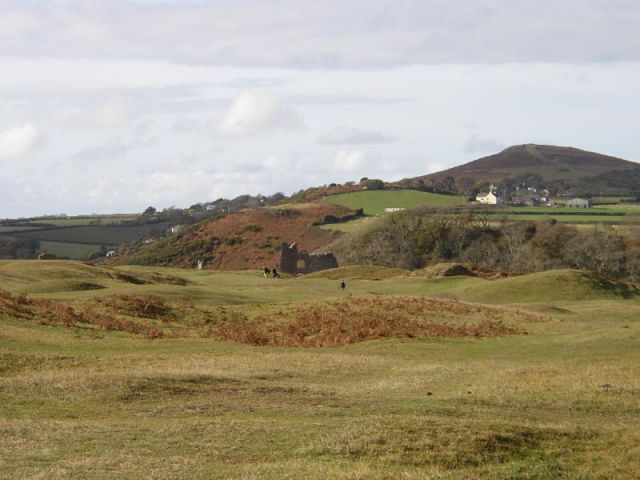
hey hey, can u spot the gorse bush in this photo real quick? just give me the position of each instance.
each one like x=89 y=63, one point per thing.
x=416 y=238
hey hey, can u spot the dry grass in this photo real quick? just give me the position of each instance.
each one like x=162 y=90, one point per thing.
x=331 y=324
x=78 y=401
x=54 y=312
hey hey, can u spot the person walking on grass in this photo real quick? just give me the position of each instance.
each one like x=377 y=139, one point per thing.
x=343 y=285
x=275 y=273
x=265 y=271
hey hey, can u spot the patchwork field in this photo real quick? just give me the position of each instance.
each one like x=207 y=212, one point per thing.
x=375 y=202
x=140 y=372
x=76 y=237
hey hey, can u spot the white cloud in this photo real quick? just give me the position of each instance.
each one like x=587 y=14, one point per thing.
x=354 y=136
x=18 y=141
x=328 y=34
x=349 y=160
x=256 y=112
x=479 y=145
x=282 y=162
x=108 y=113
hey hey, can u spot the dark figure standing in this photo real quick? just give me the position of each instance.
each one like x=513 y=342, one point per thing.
x=343 y=285
x=266 y=272
x=275 y=273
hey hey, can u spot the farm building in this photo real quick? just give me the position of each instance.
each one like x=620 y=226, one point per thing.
x=579 y=203
x=489 y=198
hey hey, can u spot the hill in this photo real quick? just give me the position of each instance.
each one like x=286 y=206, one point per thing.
x=572 y=167
x=247 y=239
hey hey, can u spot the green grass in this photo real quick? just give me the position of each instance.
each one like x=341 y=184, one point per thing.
x=11 y=229
x=584 y=218
x=550 y=286
x=617 y=214
x=363 y=272
x=559 y=402
x=622 y=207
x=375 y=201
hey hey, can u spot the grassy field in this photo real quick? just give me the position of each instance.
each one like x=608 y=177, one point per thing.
x=617 y=214
x=375 y=201
x=104 y=235
x=543 y=383
x=80 y=220
x=68 y=249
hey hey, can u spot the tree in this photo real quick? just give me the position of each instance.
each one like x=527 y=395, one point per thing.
x=149 y=211
x=600 y=251
x=372 y=184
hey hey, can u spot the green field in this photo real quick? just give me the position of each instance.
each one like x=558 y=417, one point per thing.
x=104 y=235
x=618 y=214
x=68 y=249
x=11 y=229
x=374 y=202
x=547 y=388
x=84 y=220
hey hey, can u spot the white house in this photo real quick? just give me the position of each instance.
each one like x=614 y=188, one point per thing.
x=489 y=198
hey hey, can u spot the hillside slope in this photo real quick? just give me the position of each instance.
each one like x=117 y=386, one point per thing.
x=244 y=240
x=553 y=163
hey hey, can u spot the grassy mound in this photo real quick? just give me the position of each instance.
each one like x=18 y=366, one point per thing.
x=58 y=286
x=446 y=270
x=551 y=286
x=38 y=276
x=361 y=272
x=358 y=319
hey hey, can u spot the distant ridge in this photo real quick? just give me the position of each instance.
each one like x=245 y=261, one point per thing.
x=552 y=162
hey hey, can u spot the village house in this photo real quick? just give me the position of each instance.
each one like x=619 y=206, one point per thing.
x=579 y=203
x=490 y=198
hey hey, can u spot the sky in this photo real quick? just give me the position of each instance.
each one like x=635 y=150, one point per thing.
x=115 y=105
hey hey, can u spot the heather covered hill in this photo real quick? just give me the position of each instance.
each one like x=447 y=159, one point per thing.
x=247 y=239
x=571 y=167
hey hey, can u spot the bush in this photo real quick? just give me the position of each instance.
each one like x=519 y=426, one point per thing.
x=372 y=184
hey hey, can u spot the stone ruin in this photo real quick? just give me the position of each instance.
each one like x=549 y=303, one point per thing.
x=294 y=262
